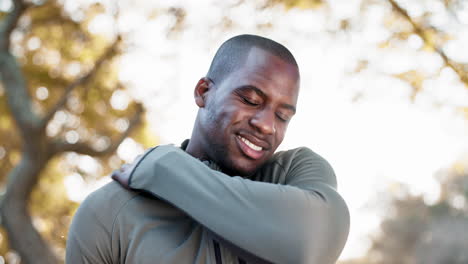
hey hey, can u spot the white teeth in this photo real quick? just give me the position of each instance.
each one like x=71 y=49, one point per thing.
x=250 y=144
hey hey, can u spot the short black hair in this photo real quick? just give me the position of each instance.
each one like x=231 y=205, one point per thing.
x=233 y=52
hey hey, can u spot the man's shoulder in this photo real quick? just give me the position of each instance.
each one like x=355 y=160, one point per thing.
x=106 y=201
x=90 y=234
x=297 y=156
x=301 y=162
x=110 y=192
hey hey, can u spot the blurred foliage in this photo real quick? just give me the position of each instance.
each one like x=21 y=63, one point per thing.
x=302 y=4
x=404 y=26
x=415 y=231
x=55 y=48
x=415 y=79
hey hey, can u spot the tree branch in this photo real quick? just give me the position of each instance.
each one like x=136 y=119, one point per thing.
x=9 y=23
x=19 y=101
x=454 y=66
x=11 y=76
x=60 y=146
x=422 y=33
x=108 y=54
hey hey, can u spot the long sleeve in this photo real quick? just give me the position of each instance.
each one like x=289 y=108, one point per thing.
x=302 y=221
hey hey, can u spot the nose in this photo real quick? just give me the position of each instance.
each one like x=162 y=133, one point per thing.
x=264 y=121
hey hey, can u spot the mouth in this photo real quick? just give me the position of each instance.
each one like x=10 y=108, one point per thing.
x=250 y=149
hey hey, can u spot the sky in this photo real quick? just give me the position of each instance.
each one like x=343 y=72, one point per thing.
x=364 y=123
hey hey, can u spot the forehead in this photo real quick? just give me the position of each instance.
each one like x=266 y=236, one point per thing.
x=269 y=73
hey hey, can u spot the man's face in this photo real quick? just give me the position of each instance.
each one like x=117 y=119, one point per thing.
x=247 y=113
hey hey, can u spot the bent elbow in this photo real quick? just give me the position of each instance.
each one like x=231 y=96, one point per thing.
x=327 y=232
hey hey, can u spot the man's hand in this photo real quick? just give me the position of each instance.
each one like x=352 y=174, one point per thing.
x=123 y=174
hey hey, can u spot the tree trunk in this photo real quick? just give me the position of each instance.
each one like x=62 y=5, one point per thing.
x=23 y=236
x=37 y=147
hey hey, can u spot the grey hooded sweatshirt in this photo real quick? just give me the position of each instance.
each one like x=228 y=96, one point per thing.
x=182 y=211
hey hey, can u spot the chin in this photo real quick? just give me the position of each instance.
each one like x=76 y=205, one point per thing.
x=236 y=164
x=245 y=170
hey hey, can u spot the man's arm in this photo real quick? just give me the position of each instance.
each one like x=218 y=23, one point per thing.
x=305 y=221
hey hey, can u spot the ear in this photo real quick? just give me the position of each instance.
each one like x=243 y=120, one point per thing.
x=201 y=90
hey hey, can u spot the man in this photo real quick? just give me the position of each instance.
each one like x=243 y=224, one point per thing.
x=224 y=196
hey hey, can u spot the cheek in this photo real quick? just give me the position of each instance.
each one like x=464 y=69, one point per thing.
x=219 y=121
x=231 y=115
x=226 y=113
x=280 y=133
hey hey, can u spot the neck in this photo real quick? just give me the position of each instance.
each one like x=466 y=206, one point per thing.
x=194 y=151
x=194 y=147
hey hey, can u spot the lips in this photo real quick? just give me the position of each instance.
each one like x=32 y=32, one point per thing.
x=250 y=149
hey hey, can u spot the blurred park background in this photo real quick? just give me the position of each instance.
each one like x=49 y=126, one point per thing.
x=86 y=85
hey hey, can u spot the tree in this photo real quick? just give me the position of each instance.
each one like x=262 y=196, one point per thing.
x=418 y=232
x=57 y=86
x=415 y=231
x=402 y=27
x=433 y=39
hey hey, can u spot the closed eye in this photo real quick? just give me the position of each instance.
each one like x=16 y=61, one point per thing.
x=282 y=118
x=250 y=95
x=250 y=101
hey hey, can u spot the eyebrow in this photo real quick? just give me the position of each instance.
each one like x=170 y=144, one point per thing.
x=262 y=94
